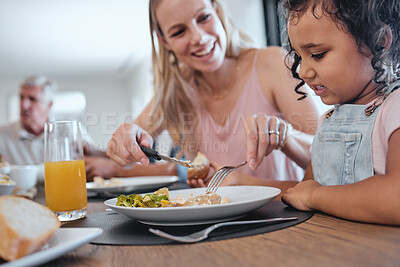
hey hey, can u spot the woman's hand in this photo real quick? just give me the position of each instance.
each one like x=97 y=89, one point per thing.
x=263 y=135
x=299 y=196
x=231 y=179
x=124 y=148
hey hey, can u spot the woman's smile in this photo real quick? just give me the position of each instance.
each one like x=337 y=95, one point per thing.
x=208 y=49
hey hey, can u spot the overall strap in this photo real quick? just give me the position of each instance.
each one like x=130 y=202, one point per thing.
x=391 y=88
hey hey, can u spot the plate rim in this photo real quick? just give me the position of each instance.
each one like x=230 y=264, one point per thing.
x=196 y=207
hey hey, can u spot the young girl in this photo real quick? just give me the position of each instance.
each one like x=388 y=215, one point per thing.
x=208 y=79
x=348 y=52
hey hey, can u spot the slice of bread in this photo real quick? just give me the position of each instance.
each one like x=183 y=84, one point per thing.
x=202 y=167
x=25 y=226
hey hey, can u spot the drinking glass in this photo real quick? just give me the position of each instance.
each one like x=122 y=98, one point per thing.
x=64 y=170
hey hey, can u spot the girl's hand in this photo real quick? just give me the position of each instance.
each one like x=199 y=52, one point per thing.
x=124 y=148
x=263 y=135
x=215 y=166
x=196 y=183
x=300 y=195
x=204 y=182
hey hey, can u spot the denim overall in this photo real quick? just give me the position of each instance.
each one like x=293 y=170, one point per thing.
x=342 y=150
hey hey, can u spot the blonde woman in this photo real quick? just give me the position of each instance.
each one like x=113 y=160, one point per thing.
x=209 y=82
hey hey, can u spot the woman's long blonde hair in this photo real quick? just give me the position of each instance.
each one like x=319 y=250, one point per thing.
x=175 y=84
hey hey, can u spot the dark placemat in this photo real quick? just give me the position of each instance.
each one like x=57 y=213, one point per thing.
x=120 y=230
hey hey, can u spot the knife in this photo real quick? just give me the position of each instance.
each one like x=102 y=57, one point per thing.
x=157 y=156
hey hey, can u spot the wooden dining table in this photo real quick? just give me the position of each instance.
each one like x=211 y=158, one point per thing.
x=322 y=240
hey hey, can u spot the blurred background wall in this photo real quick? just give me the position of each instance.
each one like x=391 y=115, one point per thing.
x=98 y=50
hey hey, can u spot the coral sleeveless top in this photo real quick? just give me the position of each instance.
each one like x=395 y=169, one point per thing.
x=226 y=144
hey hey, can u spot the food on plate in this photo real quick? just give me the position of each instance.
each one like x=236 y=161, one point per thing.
x=101 y=182
x=25 y=226
x=205 y=199
x=4 y=179
x=160 y=198
x=202 y=167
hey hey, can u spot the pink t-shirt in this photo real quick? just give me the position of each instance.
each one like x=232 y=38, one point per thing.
x=226 y=144
x=387 y=121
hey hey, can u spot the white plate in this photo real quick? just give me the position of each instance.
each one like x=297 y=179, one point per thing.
x=63 y=241
x=243 y=199
x=131 y=184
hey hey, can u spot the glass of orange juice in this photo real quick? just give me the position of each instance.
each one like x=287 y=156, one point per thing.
x=64 y=170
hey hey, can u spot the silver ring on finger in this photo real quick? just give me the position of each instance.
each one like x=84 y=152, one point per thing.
x=274 y=132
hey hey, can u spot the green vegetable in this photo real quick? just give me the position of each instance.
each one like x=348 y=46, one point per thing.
x=134 y=200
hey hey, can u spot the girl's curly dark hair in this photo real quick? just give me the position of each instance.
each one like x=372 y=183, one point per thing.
x=370 y=22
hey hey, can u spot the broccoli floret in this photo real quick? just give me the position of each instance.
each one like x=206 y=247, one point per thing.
x=135 y=200
x=158 y=198
x=153 y=200
x=124 y=201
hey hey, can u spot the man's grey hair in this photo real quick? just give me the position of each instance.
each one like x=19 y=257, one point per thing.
x=49 y=85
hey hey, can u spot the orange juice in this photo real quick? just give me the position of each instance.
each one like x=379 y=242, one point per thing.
x=65 y=185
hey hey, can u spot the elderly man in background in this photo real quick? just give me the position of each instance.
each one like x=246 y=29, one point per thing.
x=22 y=142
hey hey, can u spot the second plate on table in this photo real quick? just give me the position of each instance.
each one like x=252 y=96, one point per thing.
x=243 y=200
x=63 y=241
x=132 y=184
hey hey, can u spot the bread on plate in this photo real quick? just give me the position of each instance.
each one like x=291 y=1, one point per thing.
x=202 y=167
x=25 y=226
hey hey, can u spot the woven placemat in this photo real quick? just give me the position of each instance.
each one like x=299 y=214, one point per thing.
x=120 y=230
